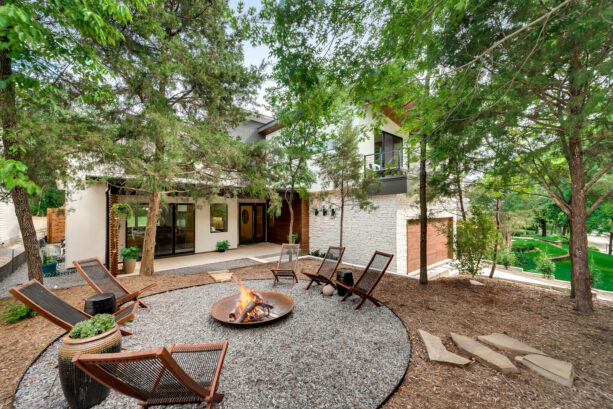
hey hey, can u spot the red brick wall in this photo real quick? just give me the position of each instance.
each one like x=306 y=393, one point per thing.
x=437 y=242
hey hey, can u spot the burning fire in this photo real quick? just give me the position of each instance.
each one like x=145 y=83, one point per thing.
x=250 y=306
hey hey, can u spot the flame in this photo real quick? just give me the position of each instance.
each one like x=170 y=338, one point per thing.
x=246 y=295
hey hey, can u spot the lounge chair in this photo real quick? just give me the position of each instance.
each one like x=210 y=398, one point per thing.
x=286 y=266
x=50 y=306
x=102 y=281
x=327 y=268
x=368 y=280
x=180 y=374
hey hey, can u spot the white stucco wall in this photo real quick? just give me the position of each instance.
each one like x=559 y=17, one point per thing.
x=86 y=224
x=363 y=232
x=9 y=226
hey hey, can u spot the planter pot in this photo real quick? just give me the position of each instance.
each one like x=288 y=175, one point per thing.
x=129 y=265
x=221 y=251
x=80 y=390
x=50 y=270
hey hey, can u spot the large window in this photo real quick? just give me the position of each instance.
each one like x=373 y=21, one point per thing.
x=219 y=217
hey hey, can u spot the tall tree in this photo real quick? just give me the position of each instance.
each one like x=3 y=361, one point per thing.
x=341 y=168
x=40 y=43
x=182 y=83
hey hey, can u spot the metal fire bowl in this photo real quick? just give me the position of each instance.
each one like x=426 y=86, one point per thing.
x=283 y=305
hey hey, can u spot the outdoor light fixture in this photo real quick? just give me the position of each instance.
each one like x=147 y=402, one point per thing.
x=324 y=211
x=333 y=212
x=316 y=211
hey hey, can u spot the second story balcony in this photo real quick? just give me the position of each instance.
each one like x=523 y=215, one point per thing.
x=386 y=163
x=391 y=168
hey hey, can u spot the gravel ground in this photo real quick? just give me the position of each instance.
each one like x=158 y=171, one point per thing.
x=68 y=278
x=324 y=354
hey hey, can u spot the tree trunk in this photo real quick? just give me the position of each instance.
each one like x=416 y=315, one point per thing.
x=423 y=214
x=578 y=230
x=342 y=217
x=8 y=111
x=610 y=242
x=572 y=269
x=495 y=258
x=460 y=195
x=146 y=263
x=543 y=227
x=290 y=237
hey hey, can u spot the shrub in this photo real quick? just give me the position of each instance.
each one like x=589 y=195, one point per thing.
x=474 y=237
x=12 y=312
x=222 y=245
x=130 y=253
x=317 y=253
x=545 y=266
x=45 y=258
x=97 y=324
x=565 y=239
x=507 y=258
x=593 y=248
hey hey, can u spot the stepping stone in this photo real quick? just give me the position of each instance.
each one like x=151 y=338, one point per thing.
x=484 y=354
x=475 y=282
x=221 y=276
x=437 y=351
x=506 y=343
x=558 y=371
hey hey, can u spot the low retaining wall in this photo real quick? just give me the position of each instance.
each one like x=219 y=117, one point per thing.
x=16 y=262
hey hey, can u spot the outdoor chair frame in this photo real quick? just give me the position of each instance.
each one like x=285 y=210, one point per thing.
x=287 y=269
x=374 y=276
x=318 y=277
x=172 y=382
x=121 y=293
x=65 y=316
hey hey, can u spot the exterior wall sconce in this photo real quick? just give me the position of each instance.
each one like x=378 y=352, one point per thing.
x=333 y=212
x=316 y=211
x=325 y=211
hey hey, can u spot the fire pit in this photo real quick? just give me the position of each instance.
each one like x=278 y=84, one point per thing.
x=249 y=307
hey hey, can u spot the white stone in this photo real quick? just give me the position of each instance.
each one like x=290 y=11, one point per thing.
x=328 y=290
x=475 y=282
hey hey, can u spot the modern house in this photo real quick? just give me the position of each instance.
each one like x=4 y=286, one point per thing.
x=186 y=226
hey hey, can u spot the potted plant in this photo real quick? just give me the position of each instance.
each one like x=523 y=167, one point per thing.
x=99 y=334
x=223 y=246
x=49 y=265
x=129 y=255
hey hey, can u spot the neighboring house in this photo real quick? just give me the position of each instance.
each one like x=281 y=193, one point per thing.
x=188 y=227
x=9 y=226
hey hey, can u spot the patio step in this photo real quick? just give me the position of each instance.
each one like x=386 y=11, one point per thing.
x=484 y=354
x=558 y=371
x=437 y=351
x=506 y=343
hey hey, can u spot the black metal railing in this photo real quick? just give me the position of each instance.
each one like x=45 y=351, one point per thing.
x=386 y=163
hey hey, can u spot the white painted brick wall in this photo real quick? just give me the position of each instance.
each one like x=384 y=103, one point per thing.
x=363 y=232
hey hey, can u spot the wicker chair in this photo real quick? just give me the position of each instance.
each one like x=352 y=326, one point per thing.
x=180 y=374
x=102 y=281
x=286 y=266
x=50 y=306
x=327 y=268
x=368 y=280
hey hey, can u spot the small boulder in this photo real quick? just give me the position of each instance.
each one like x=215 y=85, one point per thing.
x=328 y=290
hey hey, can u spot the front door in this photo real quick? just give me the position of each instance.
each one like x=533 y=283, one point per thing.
x=251 y=222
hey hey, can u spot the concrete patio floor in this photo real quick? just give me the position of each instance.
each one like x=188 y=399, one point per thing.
x=259 y=251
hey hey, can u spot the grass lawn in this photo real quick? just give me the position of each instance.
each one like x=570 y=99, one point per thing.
x=554 y=237
x=601 y=264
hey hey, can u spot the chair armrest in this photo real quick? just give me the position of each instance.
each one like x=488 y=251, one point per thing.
x=281 y=269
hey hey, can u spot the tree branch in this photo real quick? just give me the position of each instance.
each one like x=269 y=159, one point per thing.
x=597 y=178
x=597 y=202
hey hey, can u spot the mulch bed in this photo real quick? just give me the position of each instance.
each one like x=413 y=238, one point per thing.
x=542 y=318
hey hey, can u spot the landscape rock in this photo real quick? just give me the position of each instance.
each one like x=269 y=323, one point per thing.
x=558 y=371
x=328 y=290
x=437 y=351
x=484 y=354
x=507 y=343
x=475 y=282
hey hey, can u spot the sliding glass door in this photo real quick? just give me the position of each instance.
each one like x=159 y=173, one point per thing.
x=175 y=233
